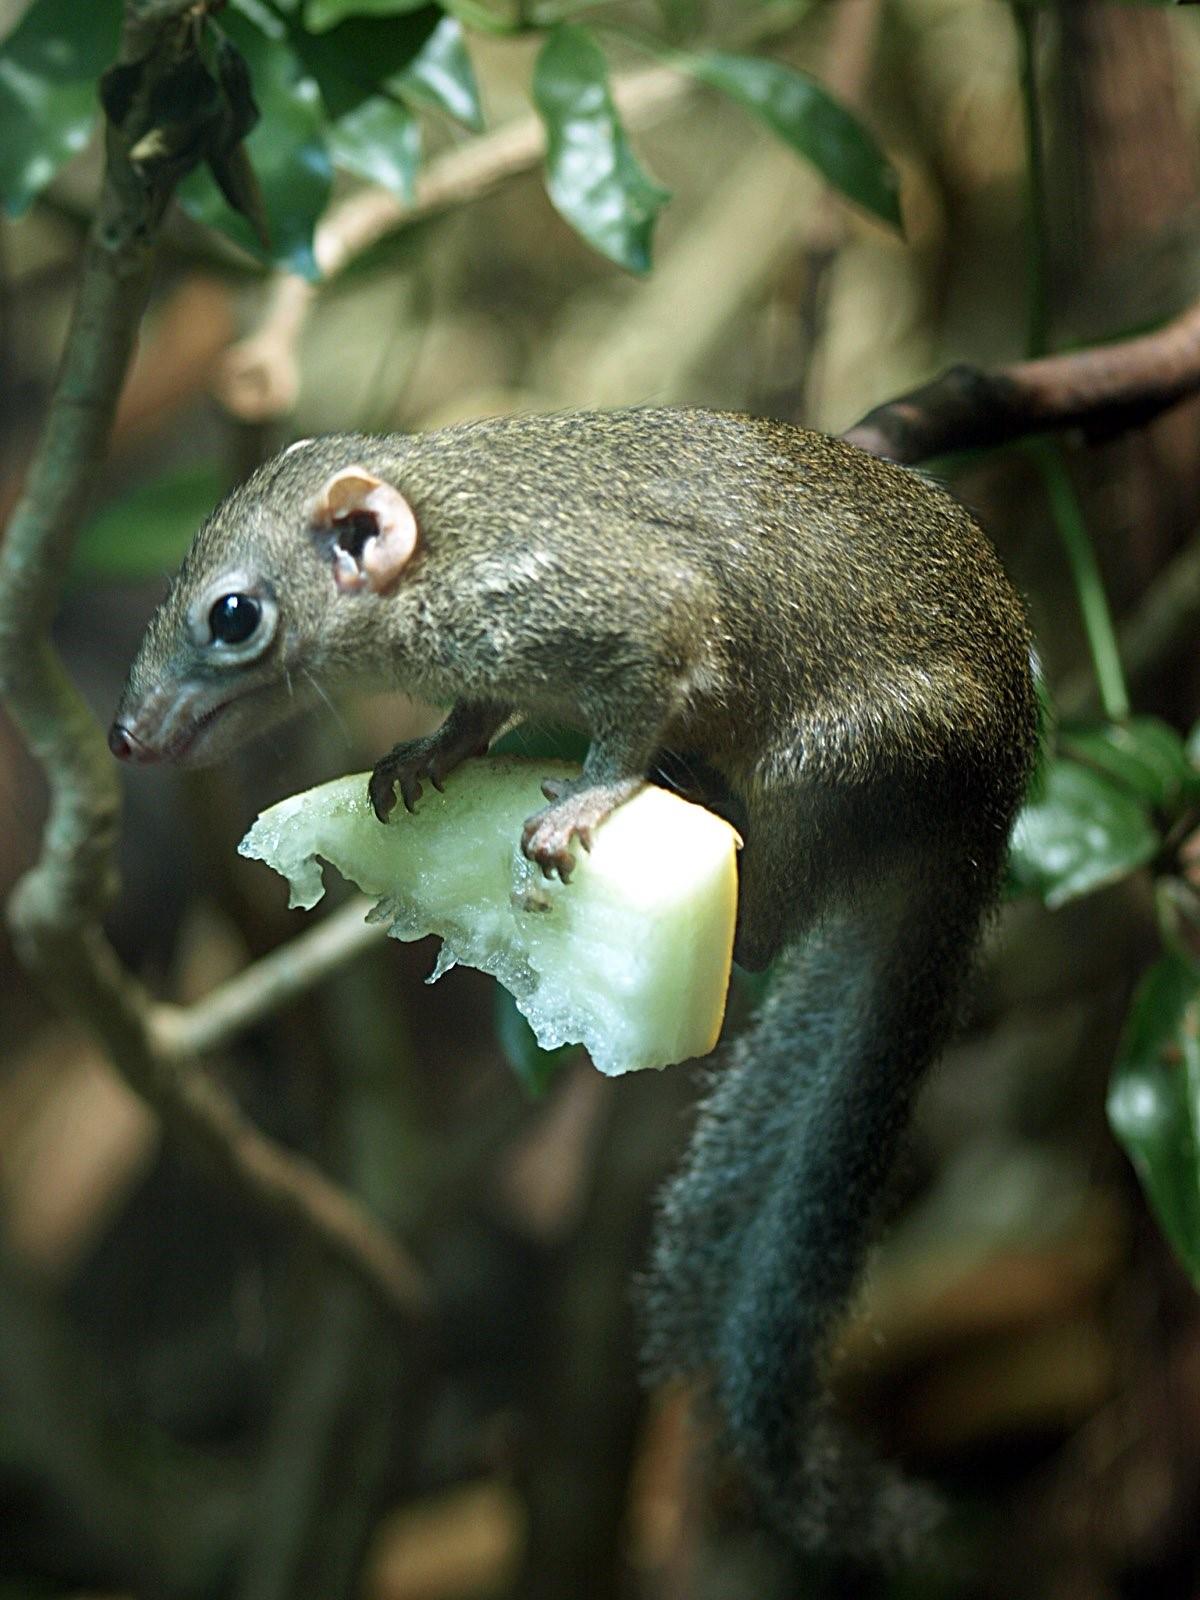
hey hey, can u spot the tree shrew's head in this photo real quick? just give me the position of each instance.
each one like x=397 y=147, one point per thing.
x=268 y=605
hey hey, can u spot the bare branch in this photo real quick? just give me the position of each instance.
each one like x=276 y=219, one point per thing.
x=1103 y=389
x=54 y=911
x=183 y=1031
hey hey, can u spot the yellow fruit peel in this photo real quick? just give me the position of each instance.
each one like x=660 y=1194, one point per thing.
x=630 y=958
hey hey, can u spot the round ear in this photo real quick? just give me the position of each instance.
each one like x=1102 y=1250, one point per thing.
x=373 y=527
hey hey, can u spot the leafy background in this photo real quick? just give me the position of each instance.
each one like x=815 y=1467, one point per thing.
x=1026 y=1338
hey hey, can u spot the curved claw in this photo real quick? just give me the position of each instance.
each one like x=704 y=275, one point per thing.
x=382 y=791
x=547 y=844
x=410 y=790
x=575 y=811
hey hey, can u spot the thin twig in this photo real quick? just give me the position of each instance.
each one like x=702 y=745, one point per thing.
x=183 y=1031
x=54 y=913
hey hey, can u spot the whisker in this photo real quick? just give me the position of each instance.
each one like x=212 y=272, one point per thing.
x=323 y=696
x=673 y=770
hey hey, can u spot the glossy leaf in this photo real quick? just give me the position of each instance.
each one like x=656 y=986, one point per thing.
x=805 y=116
x=379 y=140
x=592 y=175
x=145 y=533
x=1080 y=833
x=535 y=1068
x=366 y=68
x=1144 y=755
x=287 y=150
x=441 y=75
x=323 y=14
x=49 y=67
x=1154 y=1100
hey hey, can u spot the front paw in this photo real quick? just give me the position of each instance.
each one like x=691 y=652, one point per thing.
x=406 y=765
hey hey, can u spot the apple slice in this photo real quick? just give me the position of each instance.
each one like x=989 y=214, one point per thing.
x=629 y=958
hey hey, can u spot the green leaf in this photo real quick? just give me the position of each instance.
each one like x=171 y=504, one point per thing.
x=441 y=75
x=362 y=57
x=287 y=150
x=1145 y=755
x=591 y=173
x=379 y=140
x=805 y=116
x=365 y=68
x=535 y=1068
x=321 y=15
x=1154 y=1100
x=145 y=532
x=1080 y=833
x=49 y=66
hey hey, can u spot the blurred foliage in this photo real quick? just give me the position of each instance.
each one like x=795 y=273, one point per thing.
x=144 y=534
x=498 y=311
x=49 y=68
x=1154 y=1099
x=337 y=84
x=804 y=116
x=535 y=1068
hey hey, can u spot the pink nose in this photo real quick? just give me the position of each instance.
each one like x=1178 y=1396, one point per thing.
x=121 y=743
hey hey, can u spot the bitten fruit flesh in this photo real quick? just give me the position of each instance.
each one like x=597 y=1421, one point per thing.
x=630 y=958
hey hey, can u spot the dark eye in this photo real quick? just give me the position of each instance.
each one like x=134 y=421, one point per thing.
x=234 y=618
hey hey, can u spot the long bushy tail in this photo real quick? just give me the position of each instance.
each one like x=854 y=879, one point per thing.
x=761 y=1235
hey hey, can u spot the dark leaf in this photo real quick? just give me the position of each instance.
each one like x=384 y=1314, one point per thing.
x=49 y=68
x=1154 y=1100
x=535 y=1068
x=591 y=173
x=233 y=74
x=1144 y=755
x=366 y=68
x=1081 y=832
x=362 y=57
x=234 y=174
x=1177 y=912
x=145 y=533
x=287 y=152
x=805 y=116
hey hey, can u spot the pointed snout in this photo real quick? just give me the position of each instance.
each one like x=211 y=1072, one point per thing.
x=126 y=746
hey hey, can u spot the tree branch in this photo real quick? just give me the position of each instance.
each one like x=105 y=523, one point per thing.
x=55 y=910
x=183 y=1031
x=1103 y=389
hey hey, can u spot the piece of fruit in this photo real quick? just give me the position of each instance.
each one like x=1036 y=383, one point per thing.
x=629 y=958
